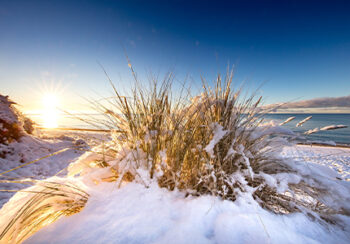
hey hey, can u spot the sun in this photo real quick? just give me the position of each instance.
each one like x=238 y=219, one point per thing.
x=50 y=100
x=50 y=113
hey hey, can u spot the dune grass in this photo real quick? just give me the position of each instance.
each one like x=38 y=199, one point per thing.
x=213 y=143
x=39 y=206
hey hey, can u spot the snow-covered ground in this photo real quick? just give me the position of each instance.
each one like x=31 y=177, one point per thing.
x=68 y=146
x=337 y=158
x=136 y=214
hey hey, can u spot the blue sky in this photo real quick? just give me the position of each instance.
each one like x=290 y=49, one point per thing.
x=299 y=50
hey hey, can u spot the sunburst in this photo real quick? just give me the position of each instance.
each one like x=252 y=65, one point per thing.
x=51 y=95
x=50 y=113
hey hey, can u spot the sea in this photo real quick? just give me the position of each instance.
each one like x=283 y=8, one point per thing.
x=339 y=136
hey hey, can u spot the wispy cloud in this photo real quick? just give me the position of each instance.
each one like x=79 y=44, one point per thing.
x=325 y=102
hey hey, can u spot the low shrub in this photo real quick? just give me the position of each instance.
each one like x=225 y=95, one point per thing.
x=13 y=124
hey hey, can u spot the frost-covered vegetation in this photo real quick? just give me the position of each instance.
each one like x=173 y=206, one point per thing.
x=47 y=201
x=13 y=124
x=329 y=127
x=213 y=144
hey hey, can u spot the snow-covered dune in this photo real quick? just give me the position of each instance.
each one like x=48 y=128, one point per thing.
x=135 y=214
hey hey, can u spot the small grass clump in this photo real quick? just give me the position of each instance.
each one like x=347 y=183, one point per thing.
x=38 y=206
x=13 y=124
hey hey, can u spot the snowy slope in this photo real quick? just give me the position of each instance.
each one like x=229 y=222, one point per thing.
x=31 y=148
x=135 y=214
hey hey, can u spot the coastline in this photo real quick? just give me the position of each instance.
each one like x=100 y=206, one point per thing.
x=338 y=145
x=324 y=145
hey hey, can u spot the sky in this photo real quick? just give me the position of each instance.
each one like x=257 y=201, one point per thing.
x=291 y=50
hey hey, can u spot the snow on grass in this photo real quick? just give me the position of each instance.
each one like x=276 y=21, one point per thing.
x=40 y=205
x=219 y=133
x=333 y=127
x=135 y=214
x=329 y=127
x=303 y=121
x=287 y=120
x=6 y=111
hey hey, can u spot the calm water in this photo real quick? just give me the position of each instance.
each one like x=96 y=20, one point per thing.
x=317 y=120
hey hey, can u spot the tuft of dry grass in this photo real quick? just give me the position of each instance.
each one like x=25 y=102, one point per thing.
x=213 y=143
x=13 y=123
x=46 y=202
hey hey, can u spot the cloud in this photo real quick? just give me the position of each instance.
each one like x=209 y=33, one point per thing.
x=325 y=102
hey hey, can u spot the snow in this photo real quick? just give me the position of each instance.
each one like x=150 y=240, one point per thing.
x=271 y=128
x=31 y=148
x=337 y=159
x=145 y=213
x=219 y=133
x=6 y=112
x=135 y=214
